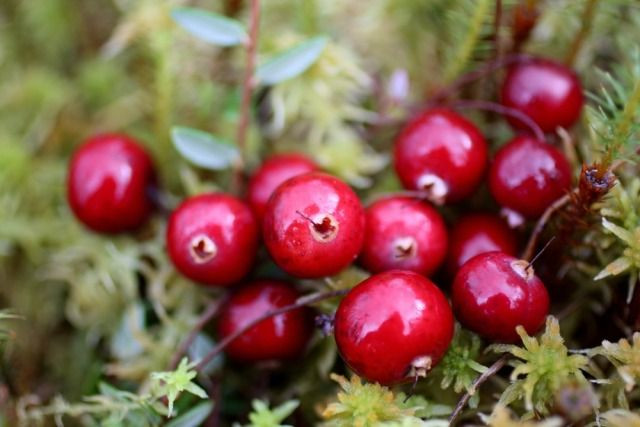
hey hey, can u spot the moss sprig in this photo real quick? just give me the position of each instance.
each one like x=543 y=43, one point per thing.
x=544 y=366
x=368 y=405
x=116 y=407
x=621 y=218
x=459 y=367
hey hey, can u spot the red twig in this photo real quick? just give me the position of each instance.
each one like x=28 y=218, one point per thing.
x=301 y=302
x=205 y=317
x=542 y=221
x=504 y=110
x=249 y=82
x=497 y=365
x=476 y=74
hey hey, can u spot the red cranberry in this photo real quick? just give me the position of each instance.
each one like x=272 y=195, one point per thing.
x=494 y=292
x=403 y=233
x=393 y=327
x=283 y=336
x=213 y=239
x=273 y=172
x=108 y=183
x=442 y=153
x=313 y=225
x=528 y=175
x=476 y=234
x=549 y=93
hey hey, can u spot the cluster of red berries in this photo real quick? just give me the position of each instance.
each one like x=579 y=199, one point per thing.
x=397 y=324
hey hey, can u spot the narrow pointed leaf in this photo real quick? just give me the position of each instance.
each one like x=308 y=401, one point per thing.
x=203 y=149
x=618 y=231
x=614 y=268
x=210 y=27
x=291 y=62
x=194 y=417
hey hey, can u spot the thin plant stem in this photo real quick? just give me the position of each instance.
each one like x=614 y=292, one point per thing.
x=247 y=87
x=476 y=74
x=504 y=110
x=210 y=312
x=301 y=302
x=493 y=369
x=542 y=222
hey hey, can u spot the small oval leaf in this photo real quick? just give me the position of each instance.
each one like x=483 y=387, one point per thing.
x=203 y=149
x=292 y=62
x=210 y=27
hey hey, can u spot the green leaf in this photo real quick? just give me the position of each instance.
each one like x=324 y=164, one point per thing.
x=194 y=417
x=203 y=149
x=124 y=344
x=292 y=62
x=210 y=27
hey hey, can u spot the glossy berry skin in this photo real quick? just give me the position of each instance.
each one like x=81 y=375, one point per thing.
x=279 y=337
x=213 y=239
x=548 y=92
x=528 y=175
x=108 y=183
x=403 y=233
x=313 y=225
x=442 y=153
x=393 y=326
x=494 y=292
x=478 y=233
x=273 y=172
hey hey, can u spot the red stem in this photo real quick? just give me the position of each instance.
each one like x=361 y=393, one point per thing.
x=209 y=313
x=501 y=109
x=497 y=365
x=476 y=74
x=301 y=302
x=248 y=83
x=542 y=221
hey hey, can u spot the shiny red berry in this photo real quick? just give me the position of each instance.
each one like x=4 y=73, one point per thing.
x=273 y=172
x=403 y=233
x=528 y=175
x=109 y=182
x=213 y=239
x=442 y=153
x=494 y=292
x=479 y=233
x=283 y=336
x=393 y=327
x=548 y=92
x=313 y=225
